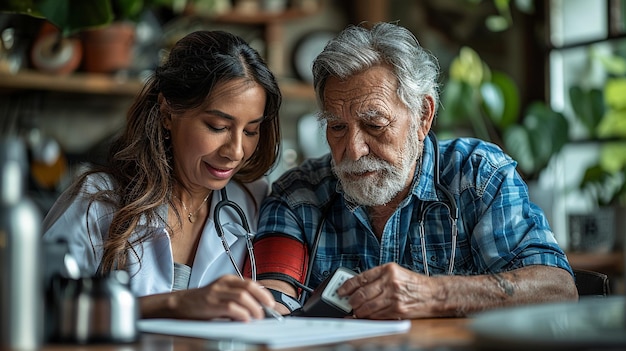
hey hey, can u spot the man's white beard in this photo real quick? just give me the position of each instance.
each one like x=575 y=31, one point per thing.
x=388 y=180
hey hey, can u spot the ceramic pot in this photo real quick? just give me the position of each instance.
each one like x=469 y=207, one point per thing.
x=109 y=49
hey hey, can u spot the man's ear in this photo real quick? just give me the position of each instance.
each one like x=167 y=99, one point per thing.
x=427 y=117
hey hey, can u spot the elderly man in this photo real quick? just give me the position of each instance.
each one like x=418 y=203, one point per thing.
x=433 y=228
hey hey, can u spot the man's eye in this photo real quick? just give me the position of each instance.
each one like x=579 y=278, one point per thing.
x=375 y=126
x=337 y=127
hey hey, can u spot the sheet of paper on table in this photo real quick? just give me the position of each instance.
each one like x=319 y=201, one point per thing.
x=274 y=334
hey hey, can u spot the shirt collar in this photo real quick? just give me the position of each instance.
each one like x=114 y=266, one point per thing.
x=423 y=185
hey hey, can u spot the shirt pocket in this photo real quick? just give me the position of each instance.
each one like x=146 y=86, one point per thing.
x=325 y=265
x=438 y=258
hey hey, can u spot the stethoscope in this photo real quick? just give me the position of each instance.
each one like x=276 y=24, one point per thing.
x=223 y=203
x=425 y=206
x=453 y=211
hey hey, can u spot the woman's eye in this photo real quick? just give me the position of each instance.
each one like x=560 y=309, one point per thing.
x=216 y=128
x=251 y=132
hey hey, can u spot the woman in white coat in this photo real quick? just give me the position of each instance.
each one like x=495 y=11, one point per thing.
x=206 y=121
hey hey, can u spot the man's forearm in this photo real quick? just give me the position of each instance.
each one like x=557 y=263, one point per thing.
x=464 y=295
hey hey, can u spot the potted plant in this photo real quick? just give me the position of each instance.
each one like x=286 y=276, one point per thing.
x=56 y=48
x=109 y=48
x=95 y=22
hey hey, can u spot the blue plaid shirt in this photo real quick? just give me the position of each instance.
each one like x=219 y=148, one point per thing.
x=499 y=229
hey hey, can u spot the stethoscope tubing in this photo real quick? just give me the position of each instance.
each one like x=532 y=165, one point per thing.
x=225 y=202
x=451 y=205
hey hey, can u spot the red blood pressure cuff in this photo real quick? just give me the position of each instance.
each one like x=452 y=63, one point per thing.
x=278 y=256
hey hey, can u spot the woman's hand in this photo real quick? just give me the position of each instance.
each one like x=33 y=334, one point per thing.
x=228 y=297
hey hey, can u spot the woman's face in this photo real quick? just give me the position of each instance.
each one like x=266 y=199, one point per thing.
x=212 y=142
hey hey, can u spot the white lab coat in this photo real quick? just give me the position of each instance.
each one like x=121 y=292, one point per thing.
x=67 y=220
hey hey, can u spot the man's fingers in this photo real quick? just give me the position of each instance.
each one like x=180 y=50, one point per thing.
x=360 y=280
x=368 y=300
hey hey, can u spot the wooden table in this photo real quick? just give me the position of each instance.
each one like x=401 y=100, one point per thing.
x=441 y=334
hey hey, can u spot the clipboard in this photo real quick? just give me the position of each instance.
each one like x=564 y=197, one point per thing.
x=275 y=334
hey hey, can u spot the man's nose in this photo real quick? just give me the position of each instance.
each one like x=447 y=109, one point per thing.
x=356 y=144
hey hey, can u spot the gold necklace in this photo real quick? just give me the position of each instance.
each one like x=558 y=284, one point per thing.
x=191 y=215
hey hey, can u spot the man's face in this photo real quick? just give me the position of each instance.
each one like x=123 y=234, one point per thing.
x=374 y=139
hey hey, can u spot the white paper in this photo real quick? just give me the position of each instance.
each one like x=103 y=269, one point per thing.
x=274 y=334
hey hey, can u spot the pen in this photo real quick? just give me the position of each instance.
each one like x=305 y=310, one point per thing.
x=272 y=313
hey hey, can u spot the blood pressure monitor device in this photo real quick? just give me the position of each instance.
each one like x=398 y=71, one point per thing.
x=325 y=302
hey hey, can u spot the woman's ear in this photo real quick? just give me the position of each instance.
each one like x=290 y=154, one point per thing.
x=164 y=110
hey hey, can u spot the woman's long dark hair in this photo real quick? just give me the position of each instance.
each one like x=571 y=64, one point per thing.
x=140 y=160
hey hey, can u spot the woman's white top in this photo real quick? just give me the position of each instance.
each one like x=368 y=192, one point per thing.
x=86 y=227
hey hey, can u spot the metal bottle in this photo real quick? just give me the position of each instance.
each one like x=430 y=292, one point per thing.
x=21 y=285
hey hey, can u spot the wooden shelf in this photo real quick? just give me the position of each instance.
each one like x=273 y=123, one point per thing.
x=87 y=83
x=261 y=17
x=72 y=83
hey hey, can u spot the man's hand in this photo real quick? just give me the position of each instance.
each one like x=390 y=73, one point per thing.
x=390 y=292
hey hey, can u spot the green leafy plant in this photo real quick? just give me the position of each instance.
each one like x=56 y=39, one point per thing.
x=603 y=113
x=73 y=16
x=484 y=103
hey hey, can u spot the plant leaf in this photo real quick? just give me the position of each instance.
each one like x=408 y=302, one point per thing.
x=613 y=157
x=24 y=7
x=497 y=23
x=493 y=101
x=511 y=99
x=458 y=99
x=588 y=106
x=547 y=130
x=613 y=124
x=615 y=93
x=72 y=16
x=467 y=67
x=517 y=144
x=613 y=64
